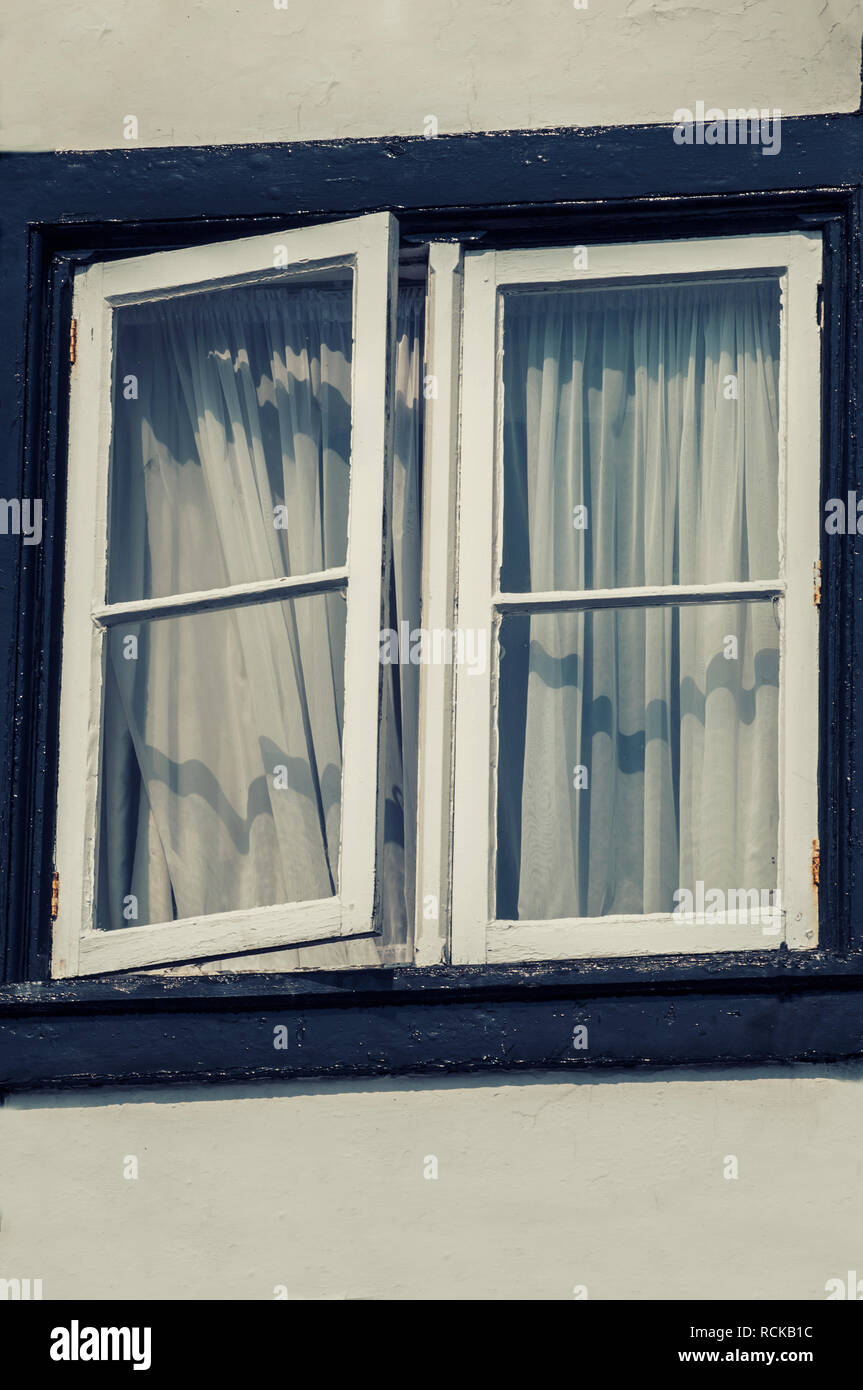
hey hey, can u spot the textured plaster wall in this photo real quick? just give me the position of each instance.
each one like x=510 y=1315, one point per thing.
x=232 y=71
x=543 y=1184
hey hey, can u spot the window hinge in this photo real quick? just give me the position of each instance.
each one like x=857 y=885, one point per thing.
x=819 y=310
x=55 y=895
x=816 y=863
x=816 y=583
x=73 y=342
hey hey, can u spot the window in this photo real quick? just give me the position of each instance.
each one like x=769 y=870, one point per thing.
x=221 y=683
x=608 y=747
x=636 y=765
x=484 y=945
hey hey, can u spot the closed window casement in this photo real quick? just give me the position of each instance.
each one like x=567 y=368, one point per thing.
x=638 y=764
x=455 y=606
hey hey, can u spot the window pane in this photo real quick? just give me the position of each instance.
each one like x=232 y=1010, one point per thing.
x=638 y=756
x=640 y=435
x=231 y=438
x=221 y=761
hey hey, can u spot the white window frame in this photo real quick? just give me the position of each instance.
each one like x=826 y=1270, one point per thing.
x=476 y=934
x=369 y=245
x=442 y=365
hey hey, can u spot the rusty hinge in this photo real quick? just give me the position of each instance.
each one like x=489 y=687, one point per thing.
x=816 y=863
x=73 y=342
x=816 y=583
x=55 y=895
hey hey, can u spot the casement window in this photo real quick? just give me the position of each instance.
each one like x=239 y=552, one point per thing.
x=434 y=659
x=636 y=768
x=589 y=478
x=221 y=682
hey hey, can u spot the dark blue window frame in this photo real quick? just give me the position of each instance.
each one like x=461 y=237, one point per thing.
x=573 y=187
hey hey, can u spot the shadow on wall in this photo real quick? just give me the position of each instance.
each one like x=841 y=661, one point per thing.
x=183 y=1093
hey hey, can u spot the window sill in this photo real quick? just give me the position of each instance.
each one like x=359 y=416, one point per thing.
x=762 y=1008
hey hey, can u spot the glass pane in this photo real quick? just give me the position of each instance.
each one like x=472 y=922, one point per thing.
x=231 y=445
x=640 y=435
x=638 y=758
x=221 y=761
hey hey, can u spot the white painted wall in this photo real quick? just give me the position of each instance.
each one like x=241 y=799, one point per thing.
x=543 y=1183
x=616 y=1181
x=231 y=71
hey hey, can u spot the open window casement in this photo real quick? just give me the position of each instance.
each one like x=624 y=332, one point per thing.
x=635 y=768
x=229 y=418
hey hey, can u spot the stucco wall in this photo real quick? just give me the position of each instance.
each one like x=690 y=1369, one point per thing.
x=231 y=72
x=544 y=1183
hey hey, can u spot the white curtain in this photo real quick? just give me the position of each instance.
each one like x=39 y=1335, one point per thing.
x=638 y=746
x=221 y=759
